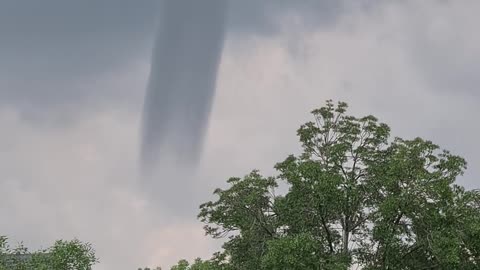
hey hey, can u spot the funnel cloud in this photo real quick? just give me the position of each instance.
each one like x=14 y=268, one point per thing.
x=182 y=81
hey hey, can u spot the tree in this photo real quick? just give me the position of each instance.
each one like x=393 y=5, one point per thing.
x=198 y=264
x=246 y=207
x=63 y=255
x=356 y=197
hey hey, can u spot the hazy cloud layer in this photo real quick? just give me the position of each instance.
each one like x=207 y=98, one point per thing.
x=53 y=51
x=411 y=64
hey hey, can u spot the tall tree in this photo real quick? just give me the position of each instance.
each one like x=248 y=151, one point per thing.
x=355 y=197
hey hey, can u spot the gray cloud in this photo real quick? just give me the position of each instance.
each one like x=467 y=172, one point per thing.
x=444 y=46
x=49 y=46
x=54 y=52
x=264 y=17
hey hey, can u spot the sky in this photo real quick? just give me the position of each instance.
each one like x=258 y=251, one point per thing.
x=73 y=76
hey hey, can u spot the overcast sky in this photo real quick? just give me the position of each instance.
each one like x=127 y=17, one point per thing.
x=73 y=75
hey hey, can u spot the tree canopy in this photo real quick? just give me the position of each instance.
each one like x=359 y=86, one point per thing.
x=63 y=255
x=356 y=198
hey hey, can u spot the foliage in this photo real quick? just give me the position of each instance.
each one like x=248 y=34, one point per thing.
x=355 y=197
x=63 y=255
x=198 y=264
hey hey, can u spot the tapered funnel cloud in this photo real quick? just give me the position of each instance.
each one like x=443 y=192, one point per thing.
x=182 y=81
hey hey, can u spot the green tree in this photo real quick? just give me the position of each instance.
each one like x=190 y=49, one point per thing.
x=355 y=197
x=63 y=255
x=198 y=264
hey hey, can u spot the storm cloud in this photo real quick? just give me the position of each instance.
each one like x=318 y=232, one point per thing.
x=182 y=81
x=54 y=52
